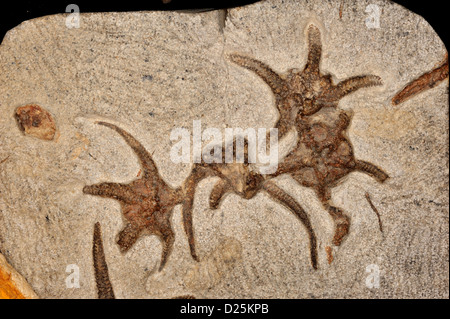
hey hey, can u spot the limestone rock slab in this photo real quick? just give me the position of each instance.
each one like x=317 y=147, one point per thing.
x=151 y=72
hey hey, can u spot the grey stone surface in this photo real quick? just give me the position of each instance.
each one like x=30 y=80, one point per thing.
x=150 y=72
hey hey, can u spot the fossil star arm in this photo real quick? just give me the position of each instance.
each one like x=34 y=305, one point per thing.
x=350 y=85
x=128 y=236
x=168 y=239
x=275 y=82
x=314 y=50
x=104 y=287
x=371 y=169
x=197 y=174
x=121 y=192
x=220 y=189
x=285 y=199
x=341 y=221
x=148 y=165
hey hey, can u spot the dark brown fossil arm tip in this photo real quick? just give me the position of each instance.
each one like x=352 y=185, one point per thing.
x=219 y=190
x=104 y=287
x=422 y=83
x=357 y=82
x=342 y=224
x=189 y=186
x=168 y=238
x=283 y=198
x=147 y=163
x=314 y=49
x=372 y=170
x=127 y=237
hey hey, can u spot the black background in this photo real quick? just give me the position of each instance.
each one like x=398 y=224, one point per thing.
x=19 y=11
x=278 y=309
x=15 y=12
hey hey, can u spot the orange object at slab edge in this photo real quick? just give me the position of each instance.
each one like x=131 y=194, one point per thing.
x=8 y=290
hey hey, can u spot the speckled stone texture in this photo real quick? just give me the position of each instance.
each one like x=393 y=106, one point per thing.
x=151 y=72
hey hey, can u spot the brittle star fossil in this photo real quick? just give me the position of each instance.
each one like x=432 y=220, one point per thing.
x=238 y=178
x=304 y=91
x=323 y=154
x=322 y=157
x=147 y=202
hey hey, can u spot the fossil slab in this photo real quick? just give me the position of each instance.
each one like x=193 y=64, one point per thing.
x=150 y=73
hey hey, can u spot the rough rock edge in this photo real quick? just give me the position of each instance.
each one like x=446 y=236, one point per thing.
x=17 y=280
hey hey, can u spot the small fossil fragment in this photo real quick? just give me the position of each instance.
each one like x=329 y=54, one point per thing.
x=424 y=82
x=375 y=210
x=36 y=121
x=4 y=160
x=341 y=8
x=329 y=252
